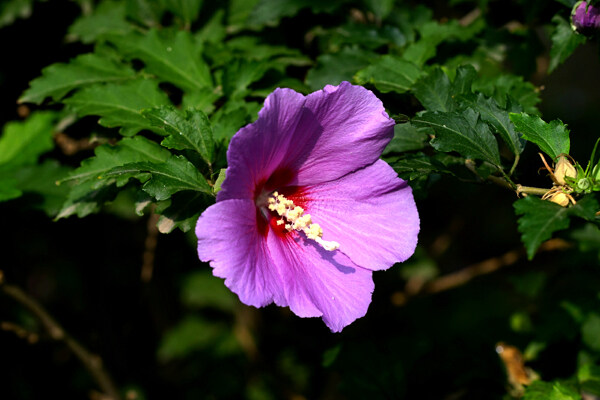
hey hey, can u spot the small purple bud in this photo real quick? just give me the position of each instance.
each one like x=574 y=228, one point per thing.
x=585 y=19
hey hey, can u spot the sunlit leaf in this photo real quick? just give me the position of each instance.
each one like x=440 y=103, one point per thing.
x=186 y=130
x=389 y=74
x=120 y=105
x=87 y=69
x=552 y=138
x=173 y=58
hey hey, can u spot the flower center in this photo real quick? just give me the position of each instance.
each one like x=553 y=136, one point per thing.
x=294 y=219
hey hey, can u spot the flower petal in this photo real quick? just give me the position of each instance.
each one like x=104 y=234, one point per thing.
x=299 y=140
x=229 y=237
x=355 y=130
x=319 y=282
x=371 y=213
x=258 y=149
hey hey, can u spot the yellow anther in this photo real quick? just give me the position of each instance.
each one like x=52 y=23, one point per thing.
x=298 y=221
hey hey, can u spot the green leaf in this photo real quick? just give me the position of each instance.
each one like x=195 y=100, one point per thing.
x=552 y=138
x=589 y=378
x=239 y=74
x=271 y=11
x=407 y=137
x=10 y=10
x=40 y=181
x=505 y=86
x=171 y=176
x=540 y=219
x=434 y=91
x=540 y=390
x=120 y=105
x=231 y=117
x=201 y=289
x=108 y=18
x=464 y=133
x=331 y=69
x=59 y=79
x=186 y=130
x=590 y=331
x=564 y=42
x=499 y=119
x=180 y=211
x=92 y=188
x=389 y=74
x=172 y=58
x=219 y=181
x=23 y=142
x=9 y=188
x=415 y=166
x=187 y=10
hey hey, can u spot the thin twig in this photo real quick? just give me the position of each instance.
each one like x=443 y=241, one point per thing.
x=150 y=247
x=92 y=362
x=459 y=278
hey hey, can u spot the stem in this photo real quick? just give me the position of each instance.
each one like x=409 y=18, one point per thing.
x=531 y=190
x=92 y=362
x=514 y=166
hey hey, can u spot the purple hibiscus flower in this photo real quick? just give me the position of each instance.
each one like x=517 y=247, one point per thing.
x=307 y=210
x=585 y=18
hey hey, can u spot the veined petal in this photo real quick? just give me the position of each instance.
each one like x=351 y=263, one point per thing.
x=299 y=140
x=371 y=213
x=319 y=282
x=257 y=150
x=355 y=130
x=230 y=239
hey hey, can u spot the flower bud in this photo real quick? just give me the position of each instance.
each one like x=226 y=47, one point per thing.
x=563 y=169
x=560 y=198
x=585 y=19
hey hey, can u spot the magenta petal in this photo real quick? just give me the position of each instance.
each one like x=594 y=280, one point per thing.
x=355 y=130
x=317 y=138
x=321 y=283
x=229 y=239
x=371 y=213
x=258 y=149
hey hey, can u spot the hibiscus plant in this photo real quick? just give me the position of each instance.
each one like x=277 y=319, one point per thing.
x=292 y=150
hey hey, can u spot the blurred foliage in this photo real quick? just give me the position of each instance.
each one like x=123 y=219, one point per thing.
x=125 y=112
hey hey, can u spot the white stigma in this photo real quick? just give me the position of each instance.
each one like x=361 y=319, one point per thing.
x=295 y=220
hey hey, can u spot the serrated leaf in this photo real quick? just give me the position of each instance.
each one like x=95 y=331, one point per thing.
x=552 y=138
x=331 y=69
x=564 y=42
x=107 y=157
x=239 y=74
x=271 y=11
x=171 y=176
x=505 y=86
x=407 y=137
x=540 y=390
x=59 y=79
x=23 y=142
x=389 y=74
x=186 y=130
x=180 y=211
x=414 y=166
x=120 y=105
x=108 y=18
x=92 y=188
x=434 y=91
x=172 y=58
x=464 y=133
x=187 y=10
x=499 y=119
x=540 y=219
x=39 y=180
